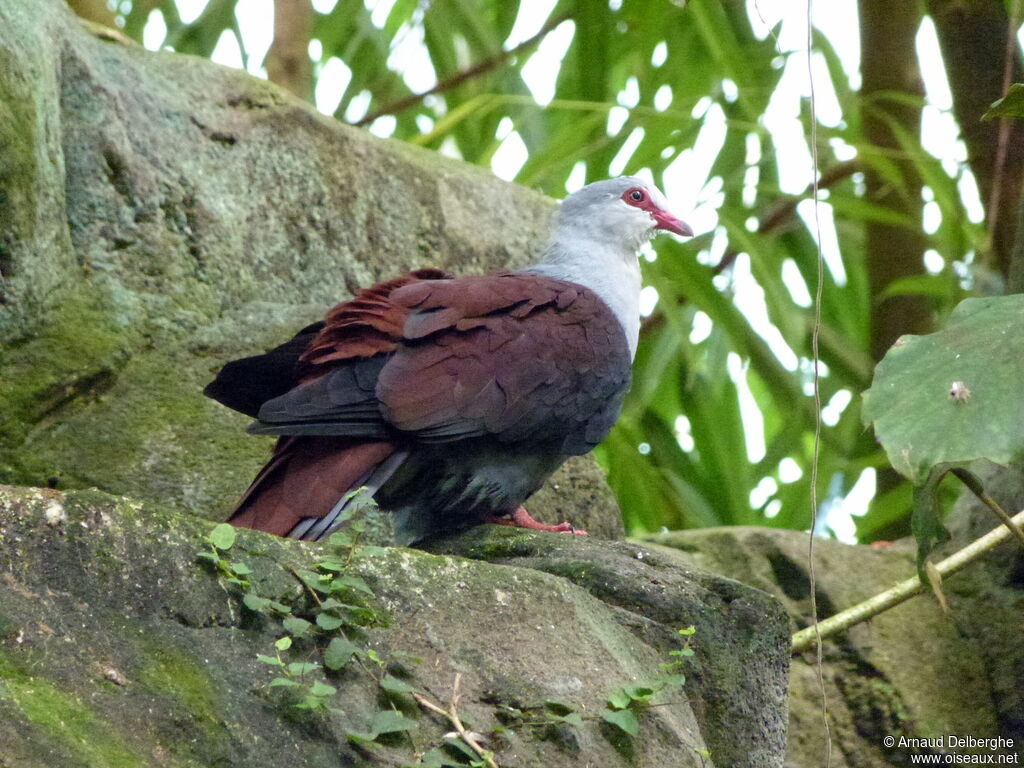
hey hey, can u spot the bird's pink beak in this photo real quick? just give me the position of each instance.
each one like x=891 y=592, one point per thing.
x=669 y=222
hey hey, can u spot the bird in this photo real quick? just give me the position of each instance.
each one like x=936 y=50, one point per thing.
x=450 y=400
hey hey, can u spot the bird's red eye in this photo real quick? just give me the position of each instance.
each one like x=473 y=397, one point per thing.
x=635 y=196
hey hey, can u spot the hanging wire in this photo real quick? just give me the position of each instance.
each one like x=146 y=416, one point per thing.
x=815 y=457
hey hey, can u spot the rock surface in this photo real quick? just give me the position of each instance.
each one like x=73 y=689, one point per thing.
x=987 y=599
x=119 y=648
x=909 y=672
x=738 y=681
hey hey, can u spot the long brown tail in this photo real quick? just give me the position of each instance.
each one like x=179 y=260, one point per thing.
x=306 y=479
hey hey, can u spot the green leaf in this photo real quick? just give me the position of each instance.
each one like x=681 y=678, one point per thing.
x=437 y=758
x=222 y=537
x=283 y=643
x=353 y=582
x=300 y=668
x=623 y=719
x=332 y=563
x=620 y=699
x=279 y=607
x=389 y=721
x=254 y=602
x=573 y=718
x=339 y=652
x=322 y=689
x=327 y=622
x=309 y=701
x=271 y=660
x=392 y=684
x=455 y=742
x=925 y=524
x=980 y=354
x=558 y=707
x=340 y=540
x=1011 y=105
x=298 y=627
x=210 y=556
x=642 y=693
x=283 y=682
x=241 y=569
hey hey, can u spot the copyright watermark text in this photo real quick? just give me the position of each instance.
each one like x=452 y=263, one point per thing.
x=946 y=750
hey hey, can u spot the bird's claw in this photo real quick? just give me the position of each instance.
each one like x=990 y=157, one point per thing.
x=522 y=519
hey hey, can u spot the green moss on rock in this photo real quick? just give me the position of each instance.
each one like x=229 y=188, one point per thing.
x=67 y=720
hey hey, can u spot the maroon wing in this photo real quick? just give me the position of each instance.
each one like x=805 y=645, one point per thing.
x=307 y=476
x=369 y=324
x=519 y=357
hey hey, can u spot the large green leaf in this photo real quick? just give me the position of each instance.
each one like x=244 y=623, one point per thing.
x=1011 y=105
x=956 y=395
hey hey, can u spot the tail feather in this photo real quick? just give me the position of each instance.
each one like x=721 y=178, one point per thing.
x=307 y=479
x=314 y=529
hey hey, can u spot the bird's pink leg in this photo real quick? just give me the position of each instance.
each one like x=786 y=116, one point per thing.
x=521 y=519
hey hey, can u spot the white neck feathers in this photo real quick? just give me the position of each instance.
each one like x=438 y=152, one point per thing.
x=609 y=269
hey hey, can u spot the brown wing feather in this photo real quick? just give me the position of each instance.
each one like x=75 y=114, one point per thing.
x=305 y=478
x=308 y=475
x=366 y=325
x=518 y=356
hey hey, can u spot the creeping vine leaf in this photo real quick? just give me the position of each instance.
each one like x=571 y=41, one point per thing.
x=223 y=536
x=624 y=719
x=386 y=721
x=339 y=652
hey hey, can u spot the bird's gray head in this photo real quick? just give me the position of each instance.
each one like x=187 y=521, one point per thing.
x=625 y=210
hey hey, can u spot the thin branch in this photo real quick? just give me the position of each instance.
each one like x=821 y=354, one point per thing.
x=974 y=486
x=298 y=578
x=288 y=62
x=805 y=639
x=452 y=715
x=453 y=81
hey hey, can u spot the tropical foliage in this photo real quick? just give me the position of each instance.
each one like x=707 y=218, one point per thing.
x=712 y=103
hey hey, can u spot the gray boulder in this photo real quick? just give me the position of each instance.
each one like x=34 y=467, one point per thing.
x=912 y=672
x=118 y=646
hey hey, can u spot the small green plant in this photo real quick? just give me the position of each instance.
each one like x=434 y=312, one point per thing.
x=219 y=541
x=330 y=621
x=338 y=608
x=623 y=706
x=627 y=702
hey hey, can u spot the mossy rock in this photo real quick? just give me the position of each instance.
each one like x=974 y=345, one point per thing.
x=119 y=647
x=892 y=676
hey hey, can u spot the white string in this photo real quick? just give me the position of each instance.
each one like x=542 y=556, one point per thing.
x=819 y=290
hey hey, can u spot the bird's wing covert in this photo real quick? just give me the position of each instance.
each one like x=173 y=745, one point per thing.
x=516 y=356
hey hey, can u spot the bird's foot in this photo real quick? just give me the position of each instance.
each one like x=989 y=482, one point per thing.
x=522 y=519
